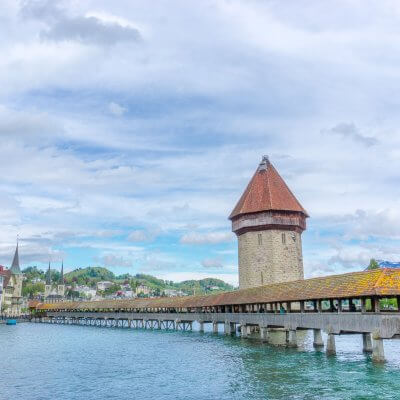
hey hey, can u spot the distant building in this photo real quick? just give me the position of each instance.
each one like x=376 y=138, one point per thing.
x=11 y=287
x=86 y=292
x=103 y=285
x=54 y=291
x=173 y=292
x=143 y=289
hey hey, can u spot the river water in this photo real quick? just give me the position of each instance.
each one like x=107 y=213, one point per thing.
x=55 y=362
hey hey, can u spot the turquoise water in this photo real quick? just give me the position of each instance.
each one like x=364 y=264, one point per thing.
x=40 y=361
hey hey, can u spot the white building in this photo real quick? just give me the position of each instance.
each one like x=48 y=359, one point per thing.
x=173 y=292
x=103 y=285
x=86 y=292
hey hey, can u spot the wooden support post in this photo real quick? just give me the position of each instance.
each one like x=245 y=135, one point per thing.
x=376 y=307
x=201 y=326
x=363 y=305
x=302 y=306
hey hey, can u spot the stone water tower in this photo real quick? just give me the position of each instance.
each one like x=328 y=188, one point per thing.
x=268 y=221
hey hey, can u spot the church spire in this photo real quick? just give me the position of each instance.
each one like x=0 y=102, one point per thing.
x=15 y=263
x=62 y=273
x=48 y=276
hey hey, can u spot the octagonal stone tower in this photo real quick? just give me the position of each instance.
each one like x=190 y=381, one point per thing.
x=268 y=221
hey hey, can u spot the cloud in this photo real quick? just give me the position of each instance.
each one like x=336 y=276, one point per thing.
x=212 y=263
x=349 y=130
x=207 y=238
x=85 y=29
x=112 y=260
x=116 y=109
x=142 y=236
x=262 y=80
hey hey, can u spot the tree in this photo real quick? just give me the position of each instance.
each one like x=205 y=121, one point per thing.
x=373 y=264
x=32 y=289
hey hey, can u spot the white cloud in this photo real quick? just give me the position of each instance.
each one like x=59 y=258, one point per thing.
x=89 y=29
x=141 y=235
x=262 y=79
x=113 y=260
x=212 y=263
x=116 y=109
x=207 y=238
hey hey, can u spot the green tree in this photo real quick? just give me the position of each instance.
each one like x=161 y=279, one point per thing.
x=373 y=264
x=32 y=289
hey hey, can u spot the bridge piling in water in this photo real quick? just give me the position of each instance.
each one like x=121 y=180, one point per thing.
x=215 y=327
x=318 y=342
x=330 y=345
x=367 y=342
x=378 y=353
x=291 y=338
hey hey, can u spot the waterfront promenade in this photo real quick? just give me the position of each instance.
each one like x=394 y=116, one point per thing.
x=339 y=304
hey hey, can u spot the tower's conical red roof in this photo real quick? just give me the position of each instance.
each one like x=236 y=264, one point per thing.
x=267 y=191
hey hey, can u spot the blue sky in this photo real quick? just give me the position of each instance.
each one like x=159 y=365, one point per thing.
x=129 y=131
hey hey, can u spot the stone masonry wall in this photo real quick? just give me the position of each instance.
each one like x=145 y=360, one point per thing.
x=269 y=259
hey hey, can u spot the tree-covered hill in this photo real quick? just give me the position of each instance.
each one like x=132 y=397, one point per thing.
x=91 y=275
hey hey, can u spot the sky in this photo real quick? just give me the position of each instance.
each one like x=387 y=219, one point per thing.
x=129 y=130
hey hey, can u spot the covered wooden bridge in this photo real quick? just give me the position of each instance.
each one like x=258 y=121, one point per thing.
x=364 y=303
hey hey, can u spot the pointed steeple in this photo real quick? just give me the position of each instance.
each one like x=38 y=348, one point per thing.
x=48 y=276
x=15 y=263
x=62 y=273
x=267 y=191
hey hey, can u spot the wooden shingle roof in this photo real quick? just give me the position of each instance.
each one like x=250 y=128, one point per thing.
x=379 y=282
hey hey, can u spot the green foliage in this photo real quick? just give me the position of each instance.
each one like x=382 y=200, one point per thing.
x=91 y=275
x=88 y=276
x=31 y=273
x=32 y=289
x=112 y=289
x=373 y=264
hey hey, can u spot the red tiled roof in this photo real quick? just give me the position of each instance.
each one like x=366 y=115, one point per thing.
x=33 y=303
x=267 y=191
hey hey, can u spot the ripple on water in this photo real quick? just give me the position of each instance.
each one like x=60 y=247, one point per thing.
x=69 y=362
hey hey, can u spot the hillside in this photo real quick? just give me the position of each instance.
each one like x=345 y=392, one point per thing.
x=91 y=275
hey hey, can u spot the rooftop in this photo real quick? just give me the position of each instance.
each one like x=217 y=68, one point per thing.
x=267 y=191
x=379 y=282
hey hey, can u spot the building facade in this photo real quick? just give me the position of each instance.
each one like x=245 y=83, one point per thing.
x=54 y=291
x=268 y=221
x=11 y=293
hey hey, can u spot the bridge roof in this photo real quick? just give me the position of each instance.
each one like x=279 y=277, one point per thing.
x=379 y=282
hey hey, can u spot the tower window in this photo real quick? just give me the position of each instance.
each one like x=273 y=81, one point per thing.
x=259 y=239
x=283 y=238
